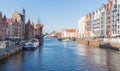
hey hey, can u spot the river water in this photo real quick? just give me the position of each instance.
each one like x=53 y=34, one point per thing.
x=57 y=55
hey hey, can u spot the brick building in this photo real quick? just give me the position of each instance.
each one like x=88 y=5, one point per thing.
x=29 y=30
x=3 y=27
x=38 y=32
x=38 y=29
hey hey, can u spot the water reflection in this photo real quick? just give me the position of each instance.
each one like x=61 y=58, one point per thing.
x=64 y=44
x=63 y=56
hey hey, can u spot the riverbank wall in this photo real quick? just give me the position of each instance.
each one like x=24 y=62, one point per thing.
x=99 y=44
x=6 y=53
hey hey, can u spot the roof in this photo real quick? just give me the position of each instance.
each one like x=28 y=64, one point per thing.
x=39 y=25
x=70 y=30
x=17 y=14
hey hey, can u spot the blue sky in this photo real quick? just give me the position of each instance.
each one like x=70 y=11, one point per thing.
x=54 y=14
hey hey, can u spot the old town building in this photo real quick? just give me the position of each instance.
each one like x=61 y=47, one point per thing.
x=18 y=25
x=38 y=32
x=38 y=29
x=8 y=27
x=29 y=30
x=15 y=27
x=3 y=27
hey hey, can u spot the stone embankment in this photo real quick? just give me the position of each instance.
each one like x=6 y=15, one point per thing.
x=99 y=44
x=8 y=48
x=7 y=53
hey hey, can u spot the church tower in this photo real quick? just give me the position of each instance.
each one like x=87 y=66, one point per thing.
x=23 y=19
x=23 y=11
x=23 y=15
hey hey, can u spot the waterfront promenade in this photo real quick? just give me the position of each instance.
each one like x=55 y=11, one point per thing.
x=56 y=55
x=8 y=48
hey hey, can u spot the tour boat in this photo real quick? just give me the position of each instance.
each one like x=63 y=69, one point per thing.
x=31 y=44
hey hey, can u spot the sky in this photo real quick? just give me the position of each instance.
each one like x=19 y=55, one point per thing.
x=54 y=14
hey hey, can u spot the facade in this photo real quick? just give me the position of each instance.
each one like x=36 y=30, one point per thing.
x=109 y=19
x=3 y=27
x=15 y=27
x=116 y=18
x=88 y=27
x=38 y=29
x=29 y=30
x=96 y=23
x=81 y=27
x=103 y=21
x=8 y=27
x=18 y=25
x=38 y=32
x=70 y=33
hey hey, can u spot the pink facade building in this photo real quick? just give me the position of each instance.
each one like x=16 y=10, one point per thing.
x=88 y=26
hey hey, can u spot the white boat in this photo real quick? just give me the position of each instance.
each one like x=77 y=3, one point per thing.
x=31 y=44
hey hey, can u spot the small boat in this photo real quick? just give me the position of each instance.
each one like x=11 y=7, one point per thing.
x=31 y=44
x=60 y=39
x=64 y=39
x=73 y=38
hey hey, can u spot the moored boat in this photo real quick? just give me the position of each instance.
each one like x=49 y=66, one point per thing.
x=64 y=39
x=31 y=44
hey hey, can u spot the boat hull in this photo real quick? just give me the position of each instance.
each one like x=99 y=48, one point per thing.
x=30 y=48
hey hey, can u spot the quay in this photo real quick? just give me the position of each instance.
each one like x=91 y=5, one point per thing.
x=6 y=54
x=100 y=44
x=10 y=48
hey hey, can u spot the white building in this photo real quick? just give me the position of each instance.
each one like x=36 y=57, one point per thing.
x=116 y=18
x=96 y=23
x=81 y=27
x=69 y=33
x=103 y=21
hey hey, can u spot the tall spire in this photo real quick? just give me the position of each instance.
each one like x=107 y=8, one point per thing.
x=23 y=11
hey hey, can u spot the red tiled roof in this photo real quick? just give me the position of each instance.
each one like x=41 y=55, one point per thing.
x=70 y=30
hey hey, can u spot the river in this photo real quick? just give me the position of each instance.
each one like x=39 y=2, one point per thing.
x=57 y=55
